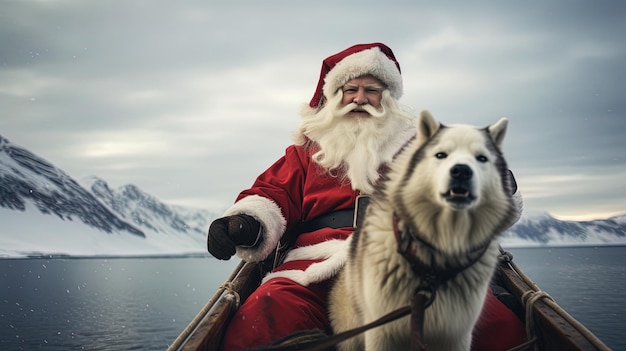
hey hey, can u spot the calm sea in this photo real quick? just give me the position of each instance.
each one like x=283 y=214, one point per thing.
x=589 y=283
x=143 y=304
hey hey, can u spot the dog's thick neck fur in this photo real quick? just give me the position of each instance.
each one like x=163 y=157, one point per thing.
x=411 y=243
x=438 y=255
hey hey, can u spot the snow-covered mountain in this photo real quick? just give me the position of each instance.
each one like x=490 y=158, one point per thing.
x=541 y=229
x=44 y=211
x=149 y=214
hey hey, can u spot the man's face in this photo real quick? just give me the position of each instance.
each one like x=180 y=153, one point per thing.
x=363 y=90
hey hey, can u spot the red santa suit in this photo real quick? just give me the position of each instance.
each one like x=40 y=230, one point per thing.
x=295 y=190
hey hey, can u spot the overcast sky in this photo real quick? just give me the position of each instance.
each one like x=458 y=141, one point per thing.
x=191 y=100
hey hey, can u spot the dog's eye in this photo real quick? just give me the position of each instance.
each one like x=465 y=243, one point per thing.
x=482 y=158
x=441 y=155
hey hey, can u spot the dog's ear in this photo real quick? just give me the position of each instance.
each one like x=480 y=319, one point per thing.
x=498 y=131
x=427 y=126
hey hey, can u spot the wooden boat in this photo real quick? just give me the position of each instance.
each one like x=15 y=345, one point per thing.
x=548 y=326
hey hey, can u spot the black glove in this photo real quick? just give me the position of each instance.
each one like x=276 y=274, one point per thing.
x=227 y=232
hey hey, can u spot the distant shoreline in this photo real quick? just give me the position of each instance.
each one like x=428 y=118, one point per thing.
x=86 y=257
x=51 y=256
x=562 y=246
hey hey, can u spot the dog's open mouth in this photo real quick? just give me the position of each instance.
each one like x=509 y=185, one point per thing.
x=459 y=195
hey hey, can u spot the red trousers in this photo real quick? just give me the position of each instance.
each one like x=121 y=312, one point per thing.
x=280 y=307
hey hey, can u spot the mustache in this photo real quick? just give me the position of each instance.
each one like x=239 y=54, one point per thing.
x=373 y=111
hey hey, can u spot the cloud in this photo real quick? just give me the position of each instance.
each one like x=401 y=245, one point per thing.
x=192 y=100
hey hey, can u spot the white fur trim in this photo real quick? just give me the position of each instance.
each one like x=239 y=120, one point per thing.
x=335 y=253
x=273 y=225
x=318 y=251
x=371 y=61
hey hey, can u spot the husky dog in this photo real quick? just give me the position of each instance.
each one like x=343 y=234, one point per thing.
x=443 y=202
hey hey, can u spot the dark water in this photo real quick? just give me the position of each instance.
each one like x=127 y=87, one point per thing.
x=102 y=304
x=589 y=283
x=143 y=304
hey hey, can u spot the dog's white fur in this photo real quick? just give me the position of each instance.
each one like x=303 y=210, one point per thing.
x=377 y=280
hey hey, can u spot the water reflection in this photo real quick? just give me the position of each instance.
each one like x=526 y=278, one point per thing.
x=102 y=304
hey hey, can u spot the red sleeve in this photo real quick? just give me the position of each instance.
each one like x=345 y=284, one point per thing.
x=283 y=183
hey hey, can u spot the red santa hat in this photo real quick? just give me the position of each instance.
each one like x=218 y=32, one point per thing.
x=374 y=59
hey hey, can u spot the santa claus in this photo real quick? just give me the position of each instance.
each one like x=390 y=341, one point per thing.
x=352 y=127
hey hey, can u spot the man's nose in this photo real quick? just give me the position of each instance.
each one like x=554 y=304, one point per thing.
x=360 y=98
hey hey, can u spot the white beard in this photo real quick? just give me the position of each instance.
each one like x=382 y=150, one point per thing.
x=354 y=148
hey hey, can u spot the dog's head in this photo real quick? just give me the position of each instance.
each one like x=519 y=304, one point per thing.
x=462 y=164
x=453 y=172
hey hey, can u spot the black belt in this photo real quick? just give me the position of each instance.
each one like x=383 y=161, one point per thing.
x=335 y=219
x=338 y=219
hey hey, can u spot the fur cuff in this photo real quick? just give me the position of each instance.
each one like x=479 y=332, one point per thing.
x=273 y=225
x=334 y=254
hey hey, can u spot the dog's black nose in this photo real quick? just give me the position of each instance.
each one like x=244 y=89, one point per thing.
x=461 y=172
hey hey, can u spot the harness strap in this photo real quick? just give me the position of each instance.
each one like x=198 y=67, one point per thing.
x=418 y=306
x=329 y=340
